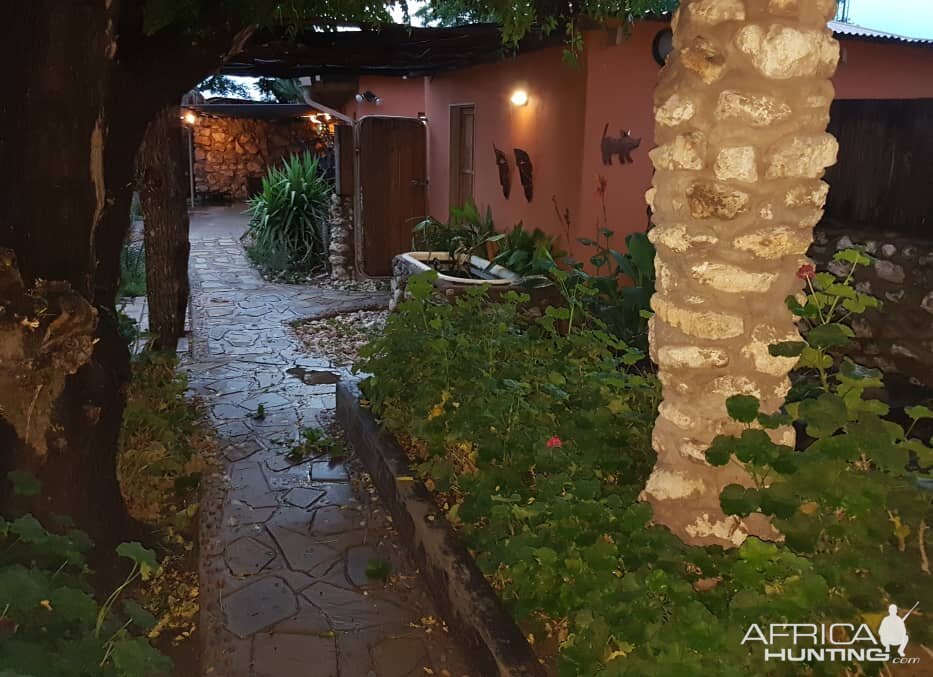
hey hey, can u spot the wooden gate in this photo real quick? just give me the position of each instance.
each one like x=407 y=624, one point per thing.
x=391 y=189
x=884 y=177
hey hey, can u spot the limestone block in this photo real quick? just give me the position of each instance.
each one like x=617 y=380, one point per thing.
x=686 y=151
x=757 y=351
x=774 y=243
x=715 y=200
x=691 y=357
x=700 y=324
x=783 y=52
x=667 y=484
x=791 y=8
x=675 y=111
x=731 y=279
x=753 y=109
x=738 y=163
x=678 y=239
x=702 y=57
x=810 y=194
x=712 y=12
x=802 y=156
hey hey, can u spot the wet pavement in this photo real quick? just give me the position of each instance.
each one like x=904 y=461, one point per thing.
x=286 y=543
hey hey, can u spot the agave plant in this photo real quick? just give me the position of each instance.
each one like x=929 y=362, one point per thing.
x=288 y=230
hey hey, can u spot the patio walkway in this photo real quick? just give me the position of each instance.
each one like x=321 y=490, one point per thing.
x=285 y=545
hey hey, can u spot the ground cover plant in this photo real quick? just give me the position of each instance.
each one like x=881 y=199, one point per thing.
x=533 y=432
x=52 y=623
x=165 y=448
x=288 y=236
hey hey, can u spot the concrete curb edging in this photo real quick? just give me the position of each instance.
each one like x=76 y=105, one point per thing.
x=492 y=641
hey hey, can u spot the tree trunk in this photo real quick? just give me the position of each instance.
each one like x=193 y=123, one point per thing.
x=60 y=214
x=162 y=196
x=72 y=116
x=741 y=115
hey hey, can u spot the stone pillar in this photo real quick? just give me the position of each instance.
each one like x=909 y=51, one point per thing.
x=341 y=239
x=741 y=112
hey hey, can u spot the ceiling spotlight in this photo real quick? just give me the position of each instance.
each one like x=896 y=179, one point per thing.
x=519 y=97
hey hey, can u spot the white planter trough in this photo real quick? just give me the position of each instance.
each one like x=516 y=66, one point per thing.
x=449 y=278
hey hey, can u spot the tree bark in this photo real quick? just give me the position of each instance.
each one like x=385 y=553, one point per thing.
x=162 y=196
x=73 y=114
x=741 y=113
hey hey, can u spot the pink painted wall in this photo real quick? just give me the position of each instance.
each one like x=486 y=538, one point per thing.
x=549 y=128
x=562 y=125
x=882 y=70
x=399 y=97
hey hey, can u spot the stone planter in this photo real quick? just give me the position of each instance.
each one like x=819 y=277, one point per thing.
x=454 y=281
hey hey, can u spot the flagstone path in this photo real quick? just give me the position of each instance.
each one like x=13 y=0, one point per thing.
x=285 y=545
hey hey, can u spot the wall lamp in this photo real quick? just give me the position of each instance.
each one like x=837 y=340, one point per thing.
x=519 y=98
x=189 y=118
x=369 y=97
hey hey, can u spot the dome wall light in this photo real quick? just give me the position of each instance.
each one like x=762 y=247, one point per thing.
x=519 y=98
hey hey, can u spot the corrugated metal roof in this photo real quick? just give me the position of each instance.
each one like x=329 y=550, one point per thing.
x=841 y=28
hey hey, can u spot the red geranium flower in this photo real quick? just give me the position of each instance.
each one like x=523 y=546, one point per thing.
x=554 y=442
x=806 y=272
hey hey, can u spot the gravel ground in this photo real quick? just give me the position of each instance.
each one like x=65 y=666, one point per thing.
x=340 y=338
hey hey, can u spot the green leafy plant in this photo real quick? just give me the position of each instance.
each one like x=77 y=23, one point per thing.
x=464 y=235
x=538 y=460
x=50 y=620
x=525 y=252
x=378 y=570
x=288 y=233
x=316 y=442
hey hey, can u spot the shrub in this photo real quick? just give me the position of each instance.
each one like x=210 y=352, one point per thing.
x=288 y=233
x=536 y=441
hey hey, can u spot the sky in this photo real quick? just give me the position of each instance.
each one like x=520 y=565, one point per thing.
x=905 y=17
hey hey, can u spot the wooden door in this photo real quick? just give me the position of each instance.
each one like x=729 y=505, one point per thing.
x=391 y=195
x=461 y=154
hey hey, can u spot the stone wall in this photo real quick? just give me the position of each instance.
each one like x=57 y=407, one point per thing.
x=897 y=339
x=232 y=154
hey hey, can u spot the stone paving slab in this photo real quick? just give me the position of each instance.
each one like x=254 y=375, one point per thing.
x=285 y=544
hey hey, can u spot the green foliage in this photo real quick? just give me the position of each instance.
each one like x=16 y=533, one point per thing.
x=316 y=442
x=852 y=498
x=470 y=233
x=288 y=232
x=162 y=444
x=132 y=268
x=537 y=443
x=221 y=85
x=525 y=252
x=464 y=235
x=51 y=625
x=281 y=90
x=378 y=570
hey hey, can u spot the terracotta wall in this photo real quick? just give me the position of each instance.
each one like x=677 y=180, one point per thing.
x=550 y=128
x=232 y=154
x=562 y=125
x=404 y=97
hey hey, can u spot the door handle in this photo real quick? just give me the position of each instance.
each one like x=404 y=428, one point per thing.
x=420 y=182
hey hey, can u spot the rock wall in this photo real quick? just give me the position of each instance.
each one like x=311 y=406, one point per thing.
x=232 y=154
x=897 y=339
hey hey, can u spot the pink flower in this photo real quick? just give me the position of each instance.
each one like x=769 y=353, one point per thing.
x=554 y=442
x=806 y=272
